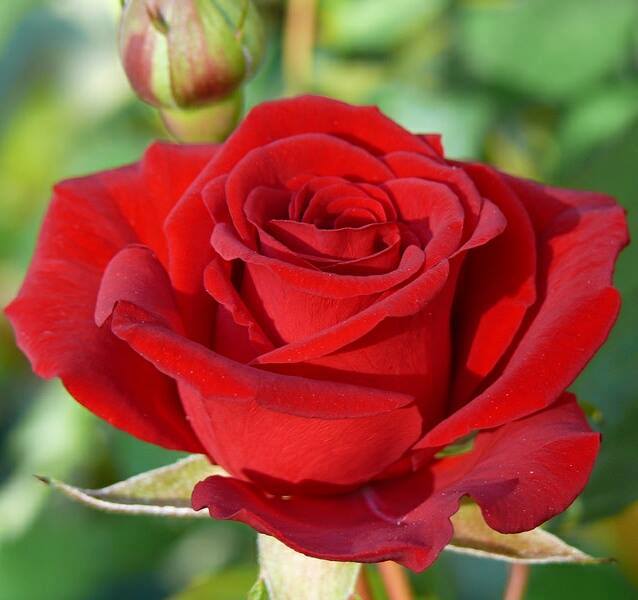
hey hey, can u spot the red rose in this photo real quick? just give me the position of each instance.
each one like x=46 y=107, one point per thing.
x=320 y=305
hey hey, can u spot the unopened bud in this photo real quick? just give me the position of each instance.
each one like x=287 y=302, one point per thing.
x=185 y=53
x=205 y=124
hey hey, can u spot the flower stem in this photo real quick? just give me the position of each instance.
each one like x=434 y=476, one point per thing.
x=396 y=581
x=363 y=590
x=298 y=43
x=516 y=582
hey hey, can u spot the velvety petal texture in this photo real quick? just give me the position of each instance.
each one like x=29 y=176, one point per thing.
x=322 y=303
x=517 y=486
x=89 y=221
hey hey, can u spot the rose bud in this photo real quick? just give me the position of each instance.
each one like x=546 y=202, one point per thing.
x=320 y=305
x=189 y=52
x=210 y=123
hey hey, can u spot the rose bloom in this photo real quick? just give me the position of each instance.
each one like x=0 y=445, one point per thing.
x=320 y=305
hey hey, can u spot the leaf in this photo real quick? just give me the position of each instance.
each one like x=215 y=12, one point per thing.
x=289 y=575
x=163 y=492
x=609 y=380
x=462 y=446
x=473 y=536
x=368 y=26
x=548 y=49
x=597 y=118
x=258 y=591
x=462 y=118
x=230 y=584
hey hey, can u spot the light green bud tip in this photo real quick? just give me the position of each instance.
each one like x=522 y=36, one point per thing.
x=187 y=53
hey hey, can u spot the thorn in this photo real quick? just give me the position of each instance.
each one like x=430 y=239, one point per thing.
x=43 y=479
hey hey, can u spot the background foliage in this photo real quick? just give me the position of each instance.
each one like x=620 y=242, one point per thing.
x=540 y=88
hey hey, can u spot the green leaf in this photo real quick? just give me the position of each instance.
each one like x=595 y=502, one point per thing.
x=596 y=119
x=473 y=536
x=462 y=118
x=289 y=575
x=163 y=492
x=609 y=380
x=229 y=584
x=462 y=446
x=368 y=26
x=546 y=48
x=258 y=591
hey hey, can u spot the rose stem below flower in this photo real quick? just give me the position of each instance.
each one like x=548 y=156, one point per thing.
x=298 y=43
x=395 y=580
x=362 y=589
x=516 y=582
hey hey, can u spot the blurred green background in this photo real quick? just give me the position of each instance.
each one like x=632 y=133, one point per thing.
x=541 y=88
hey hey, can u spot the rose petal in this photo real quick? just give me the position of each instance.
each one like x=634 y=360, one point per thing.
x=432 y=211
x=328 y=285
x=338 y=244
x=364 y=126
x=53 y=315
x=274 y=164
x=188 y=228
x=575 y=310
x=273 y=427
x=497 y=288
x=135 y=275
x=217 y=280
x=520 y=474
x=405 y=301
x=331 y=202
x=220 y=379
x=409 y=164
x=369 y=347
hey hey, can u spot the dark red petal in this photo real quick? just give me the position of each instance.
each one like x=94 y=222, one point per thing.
x=497 y=287
x=363 y=126
x=146 y=194
x=433 y=212
x=306 y=188
x=264 y=204
x=369 y=348
x=491 y=223
x=274 y=164
x=331 y=201
x=338 y=244
x=575 y=311
x=327 y=285
x=221 y=379
x=408 y=164
x=383 y=261
x=217 y=280
x=188 y=228
x=436 y=141
x=405 y=301
x=53 y=316
x=274 y=427
x=135 y=275
x=521 y=475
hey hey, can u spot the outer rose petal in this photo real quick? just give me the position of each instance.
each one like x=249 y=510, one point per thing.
x=364 y=126
x=146 y=195
x=88 y=222
x=497 y=287
x=577 y=306
x=520 y=474
x=272 y=427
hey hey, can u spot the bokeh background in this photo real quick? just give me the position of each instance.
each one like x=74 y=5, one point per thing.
x=541 y=88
